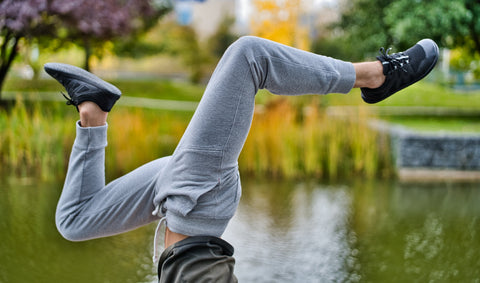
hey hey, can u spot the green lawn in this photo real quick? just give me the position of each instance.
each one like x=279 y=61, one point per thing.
x=424 y=94
x=420 y=94
x=56 y=119
x=439 y=124
x=428 y=94
x=160 y=89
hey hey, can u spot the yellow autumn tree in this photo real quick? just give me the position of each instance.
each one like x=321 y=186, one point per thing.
x=279 y=20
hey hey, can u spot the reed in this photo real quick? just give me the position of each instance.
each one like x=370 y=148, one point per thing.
x=285 y=141
x=33 y=140
x=289 y=142
x=36 y=139
x=136 y=136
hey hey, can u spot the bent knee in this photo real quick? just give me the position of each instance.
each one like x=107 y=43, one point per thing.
x=69 y=229
x=247 y=45
x=248 y=41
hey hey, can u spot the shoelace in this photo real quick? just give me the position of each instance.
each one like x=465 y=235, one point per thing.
x=72 y=87
x=395 y=61
x=69 y=100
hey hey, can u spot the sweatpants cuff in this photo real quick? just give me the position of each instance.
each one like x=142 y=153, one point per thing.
x=91 y=138
x=347 y=77
x=195 y=226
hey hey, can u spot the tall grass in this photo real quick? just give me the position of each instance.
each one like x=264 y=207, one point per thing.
x=136 y=136
x=36 y=139
x=289 y=142
x=285 y=141
x=33 y=140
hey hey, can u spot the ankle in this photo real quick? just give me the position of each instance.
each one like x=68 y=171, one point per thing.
x=369 y=74
x=91 y=115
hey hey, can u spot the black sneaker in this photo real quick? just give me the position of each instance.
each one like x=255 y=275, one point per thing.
x=83 y=86
x=403 y=69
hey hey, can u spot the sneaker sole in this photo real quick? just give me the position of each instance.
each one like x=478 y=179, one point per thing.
x=73 y=72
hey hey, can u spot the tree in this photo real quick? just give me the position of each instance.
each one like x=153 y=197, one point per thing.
x=19 y=20
x=89 y=23
x=223 y=37
x=473 y=23
x=182 y=41
x=364 y=26
x=444 y=21
x=279 y=20
x=372 y=23
x=452 y=24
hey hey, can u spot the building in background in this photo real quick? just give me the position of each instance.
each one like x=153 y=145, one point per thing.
x=205 y=16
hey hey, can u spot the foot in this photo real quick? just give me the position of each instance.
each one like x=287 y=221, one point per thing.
x=368 y=74
x=83 y=86
x=403 y=69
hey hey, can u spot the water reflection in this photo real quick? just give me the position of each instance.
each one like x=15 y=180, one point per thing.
x=418 y=232
x=31 y=250
x=283 y=232
x=286 y=232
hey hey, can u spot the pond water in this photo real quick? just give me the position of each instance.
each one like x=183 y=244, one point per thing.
x=364 y=231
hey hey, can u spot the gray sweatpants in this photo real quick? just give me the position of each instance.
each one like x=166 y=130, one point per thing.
x=198 y=188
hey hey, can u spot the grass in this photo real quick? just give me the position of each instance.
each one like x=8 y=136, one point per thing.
x=285 y=141
x=434 y=95
x=160 y=89
x=288 y=141
x=458 y=125
x=426 y=94
x=137 y=136
x=33 y=140
x=421 y=94
x=36 y=138
x=290 y=137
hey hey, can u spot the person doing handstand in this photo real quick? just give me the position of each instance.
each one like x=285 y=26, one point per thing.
x=196 y=190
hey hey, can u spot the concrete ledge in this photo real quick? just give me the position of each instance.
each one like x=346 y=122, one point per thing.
x=405 y=111
x=429 y=175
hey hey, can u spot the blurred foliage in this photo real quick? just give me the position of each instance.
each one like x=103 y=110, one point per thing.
x=223 y=37
x=285 y=141
x=20 y=20
x=333 y=46
x=462 y=59
x=56 y=24
x=181 y=41
x=441 y=20
x=364 y=26
x=92 y=23
x=279 y=21
x=369 y=24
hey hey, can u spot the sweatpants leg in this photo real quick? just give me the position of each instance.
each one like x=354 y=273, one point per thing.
x=199 y=189
x=87 y=208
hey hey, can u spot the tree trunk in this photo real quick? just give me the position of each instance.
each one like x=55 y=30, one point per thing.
x=88 y=53
x=473 y=24
x=6 y=57
x=475 y=37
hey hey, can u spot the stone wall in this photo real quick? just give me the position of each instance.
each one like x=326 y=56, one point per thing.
x=427 y=156
x=437 y=151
